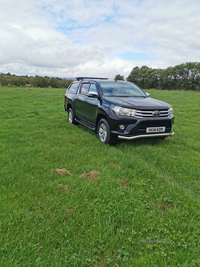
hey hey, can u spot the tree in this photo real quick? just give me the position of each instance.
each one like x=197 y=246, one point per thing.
x=135 y=76
x=65 y=83
x=184 y=76
x=119 y=77
x=54 y=82
x=19 y=81
x=40 y=82
x=4 y=81
x=31 y=80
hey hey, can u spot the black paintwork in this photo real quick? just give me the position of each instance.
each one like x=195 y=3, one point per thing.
x=88 y=110
x=139 y=103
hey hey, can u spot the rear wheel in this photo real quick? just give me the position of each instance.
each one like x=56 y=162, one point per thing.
x=104 y=134
x=71 y=116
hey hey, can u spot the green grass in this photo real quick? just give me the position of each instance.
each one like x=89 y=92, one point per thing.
x=143 y=210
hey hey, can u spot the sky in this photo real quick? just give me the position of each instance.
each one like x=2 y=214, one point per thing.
x=96 y=38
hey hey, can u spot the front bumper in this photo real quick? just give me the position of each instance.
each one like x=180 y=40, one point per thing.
x=145 y=136
x=137 y=128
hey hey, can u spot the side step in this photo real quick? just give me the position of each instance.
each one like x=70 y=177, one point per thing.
x=85 y=123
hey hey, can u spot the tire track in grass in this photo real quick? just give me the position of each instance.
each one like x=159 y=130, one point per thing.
x=190 y=190
x=167 y=176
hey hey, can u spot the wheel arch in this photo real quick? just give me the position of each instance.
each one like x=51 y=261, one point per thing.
x=99 y=117
x=68 y=106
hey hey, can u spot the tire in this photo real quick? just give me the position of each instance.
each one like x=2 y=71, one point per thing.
x=71 y=117
x=104 y=134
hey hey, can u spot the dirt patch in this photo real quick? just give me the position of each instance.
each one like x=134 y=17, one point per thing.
x=174 y=157
x=124 y=182
x=91 y=175
x=63 y=172
x=152 y=202
x=183 y=127
x=115 y=165
x=170 y=138
x=166 y=206
x=61 y=186
x=162 y=207
x=66 y=187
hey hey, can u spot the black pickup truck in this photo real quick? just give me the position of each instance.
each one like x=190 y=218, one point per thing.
x=117 y=109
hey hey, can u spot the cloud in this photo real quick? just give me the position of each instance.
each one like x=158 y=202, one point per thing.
x=95 y=37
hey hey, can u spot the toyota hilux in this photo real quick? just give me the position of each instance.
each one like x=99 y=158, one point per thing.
x=117 y=109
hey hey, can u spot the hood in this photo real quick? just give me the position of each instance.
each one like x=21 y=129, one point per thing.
x=138 y=102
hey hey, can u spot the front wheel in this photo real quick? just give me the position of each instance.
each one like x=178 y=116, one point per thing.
x=104 y=134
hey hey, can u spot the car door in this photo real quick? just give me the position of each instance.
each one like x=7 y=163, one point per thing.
x=91 y=104
x=81 y=100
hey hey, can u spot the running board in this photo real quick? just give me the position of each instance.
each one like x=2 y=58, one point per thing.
x=85 y=123
x=144 y=136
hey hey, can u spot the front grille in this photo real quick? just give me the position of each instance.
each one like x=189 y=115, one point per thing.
x=151 y=113
x=144 y=124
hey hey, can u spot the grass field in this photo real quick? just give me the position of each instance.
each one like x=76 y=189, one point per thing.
x=141 y=206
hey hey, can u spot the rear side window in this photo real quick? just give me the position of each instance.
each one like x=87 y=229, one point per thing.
x=84 y=88
x=73 y=87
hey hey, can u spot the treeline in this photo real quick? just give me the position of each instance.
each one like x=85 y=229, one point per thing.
x=181 y=77
x=184 y=76
x=33 y=81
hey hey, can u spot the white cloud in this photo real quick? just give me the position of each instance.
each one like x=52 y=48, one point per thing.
x=88 y=37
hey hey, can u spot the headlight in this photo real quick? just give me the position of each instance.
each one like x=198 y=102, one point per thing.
x=123 y=111
x=170 y=111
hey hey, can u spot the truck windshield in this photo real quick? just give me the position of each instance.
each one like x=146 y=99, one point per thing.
x=121 y=89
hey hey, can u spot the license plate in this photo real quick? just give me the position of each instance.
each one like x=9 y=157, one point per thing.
x=155 y=130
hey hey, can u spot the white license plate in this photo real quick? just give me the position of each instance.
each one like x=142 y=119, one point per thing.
x=155 y=130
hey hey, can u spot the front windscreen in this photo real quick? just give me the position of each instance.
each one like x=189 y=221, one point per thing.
x=121 y=89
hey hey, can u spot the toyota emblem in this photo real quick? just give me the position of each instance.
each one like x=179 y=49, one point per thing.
x=156 y=113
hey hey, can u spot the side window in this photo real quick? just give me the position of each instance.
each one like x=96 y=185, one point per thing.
x=84 y=88
x=73 y=87
x=93 y=88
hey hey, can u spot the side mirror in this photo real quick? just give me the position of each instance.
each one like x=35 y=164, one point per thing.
x=92 y=94
x=147 y=94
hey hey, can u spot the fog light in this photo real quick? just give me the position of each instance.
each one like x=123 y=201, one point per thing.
x=121 y=127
